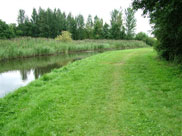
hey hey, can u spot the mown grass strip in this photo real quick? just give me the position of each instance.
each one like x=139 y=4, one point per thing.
x=128 y=92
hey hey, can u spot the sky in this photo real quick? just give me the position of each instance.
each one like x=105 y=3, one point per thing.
x=9 y=81
x=102 y=8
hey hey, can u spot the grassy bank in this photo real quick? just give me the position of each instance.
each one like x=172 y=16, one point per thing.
x=27 y=47
x=116 y=93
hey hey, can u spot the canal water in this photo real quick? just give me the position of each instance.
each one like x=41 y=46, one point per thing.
x=19 y=72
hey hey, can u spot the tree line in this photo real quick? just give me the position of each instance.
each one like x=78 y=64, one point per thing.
x=166 y=15
x=50 y=23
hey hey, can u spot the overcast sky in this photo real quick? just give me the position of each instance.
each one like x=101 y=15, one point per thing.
x=102 y=8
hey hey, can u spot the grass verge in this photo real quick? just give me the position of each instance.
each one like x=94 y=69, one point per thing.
x=116 y=93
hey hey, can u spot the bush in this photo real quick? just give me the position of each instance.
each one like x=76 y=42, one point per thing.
x=64 y=37
x=141 y=36
x=6 y=31
x=150 y=41
x=144 y=37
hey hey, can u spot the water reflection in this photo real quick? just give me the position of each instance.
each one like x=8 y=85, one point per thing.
x=38 y=71
x=12 y=80
x=17 y=73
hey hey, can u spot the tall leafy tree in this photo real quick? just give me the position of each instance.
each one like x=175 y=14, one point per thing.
x=80 y=27
x=116 y=24
x=106 y=31
x=27 y=27
x=71 y=26
x=98 y=28
x=167 y=19
x=89 y=27
x=50 y=23
x=34 y=16
x=64 y=26
x=21 y=16
x=34 y=21
x=60 y=21
x=24 y=24
x=42 y=23
x=130 y=24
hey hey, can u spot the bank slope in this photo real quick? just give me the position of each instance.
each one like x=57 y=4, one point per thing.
x=127 y=92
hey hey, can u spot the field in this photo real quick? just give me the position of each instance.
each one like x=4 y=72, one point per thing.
x=28 y=47
x=117 y=93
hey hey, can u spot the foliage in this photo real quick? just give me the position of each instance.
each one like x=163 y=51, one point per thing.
x=21 y=16
x=117 y=28
x=130 y=24
x=167 y=19
x=80 y=27
x=141 y=36
x=89 y=28
x=64 y=37
x=7 y=31
x=120 y=92
x=98 y=28
x=27 y=47
x=144 y=37
x=50 y=23
x=151 y=41
x=106 y=32
x=72 y=26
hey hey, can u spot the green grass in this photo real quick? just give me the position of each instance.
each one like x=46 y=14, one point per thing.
x=28 y=47
x=117 y=93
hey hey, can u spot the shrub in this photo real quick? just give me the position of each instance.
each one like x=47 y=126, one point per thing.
x=151 y=41
x=144 y=37
x=141 y=36
x=64 y=37
x=6 y=31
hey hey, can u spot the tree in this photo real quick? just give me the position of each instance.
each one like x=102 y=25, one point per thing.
x=21 y=16
x=106 y=31
x=98 y=28
x=34 y=16
x=13 y=30
x=71 y=25
x=89 y=27
x=80 y=27
x=34 y=21
x=144 y=37
x=141 y=36
x=130 y=24
x=60 y=21
x=116 y=24
x=167 y=19
x=6 y=31
x=42 y=23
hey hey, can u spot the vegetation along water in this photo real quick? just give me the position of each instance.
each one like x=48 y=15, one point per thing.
x=29 y=47
x=133 y=92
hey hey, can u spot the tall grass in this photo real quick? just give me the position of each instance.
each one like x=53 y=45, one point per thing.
x=27 y=47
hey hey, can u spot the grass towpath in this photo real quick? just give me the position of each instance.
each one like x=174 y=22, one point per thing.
x=118 y=93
